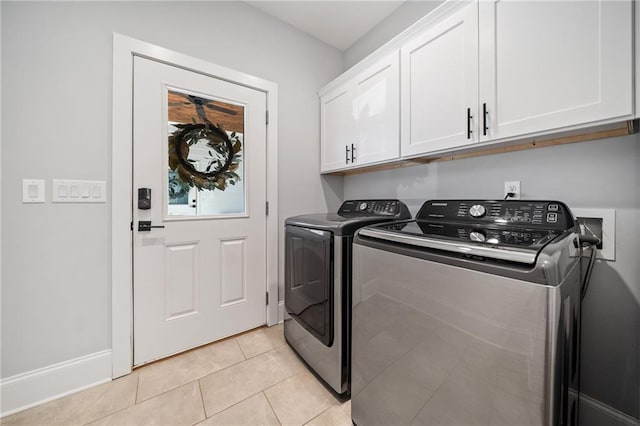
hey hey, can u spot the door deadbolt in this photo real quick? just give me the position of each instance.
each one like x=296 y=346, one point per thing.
x=144 y=198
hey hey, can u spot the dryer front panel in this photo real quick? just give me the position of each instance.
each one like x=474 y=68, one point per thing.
x=309 y=280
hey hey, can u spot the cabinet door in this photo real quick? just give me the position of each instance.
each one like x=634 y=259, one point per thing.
x=550 y=64
x=439 y=85
x=337 y=131
x=377 y=110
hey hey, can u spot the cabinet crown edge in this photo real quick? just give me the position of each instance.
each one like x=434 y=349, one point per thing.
x=440 y=12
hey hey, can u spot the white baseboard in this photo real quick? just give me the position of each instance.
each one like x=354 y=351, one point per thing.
x=36 y=387
x=612 y=413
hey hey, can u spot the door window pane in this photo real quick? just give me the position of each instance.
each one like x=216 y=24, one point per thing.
x=206 y=156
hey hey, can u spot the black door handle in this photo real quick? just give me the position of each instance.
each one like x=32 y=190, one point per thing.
x=484 y=119
x=353 y=153
x=346 y=147
x=469 y=117
x=145 y=226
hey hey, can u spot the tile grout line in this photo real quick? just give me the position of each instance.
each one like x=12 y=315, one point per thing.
x=139 y=373
x=238 y=363
x=204 y=407
x=271 y=406
x=240 y=347
x=233 y=405
x=261 y=391
x=339 y=406
x=135 y=401
x=268 y=350
x=197 y=378
x=317 y=415
x=294 y=375
x=117 y=411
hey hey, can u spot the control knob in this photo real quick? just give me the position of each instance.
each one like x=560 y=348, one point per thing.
x=362 y=206
x=477 y=236
x=477 y=211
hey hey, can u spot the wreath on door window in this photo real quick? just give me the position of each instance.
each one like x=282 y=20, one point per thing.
x=223 y=156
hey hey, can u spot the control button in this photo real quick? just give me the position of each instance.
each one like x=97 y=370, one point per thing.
x=552 y=217
x=477 y=236
x=553 y=208
x=477 y=211
x=363 y=206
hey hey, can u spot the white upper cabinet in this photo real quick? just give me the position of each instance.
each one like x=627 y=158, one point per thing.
x=377 y=112
x=485 y=71
x=553 y=64
x=360 y=118
x=337 y=131
x=440 y=85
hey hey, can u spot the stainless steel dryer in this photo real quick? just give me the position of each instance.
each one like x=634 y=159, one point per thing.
x=469 y=314
x=318 y=284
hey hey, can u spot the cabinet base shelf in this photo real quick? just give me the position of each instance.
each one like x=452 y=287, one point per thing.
x=601 y=132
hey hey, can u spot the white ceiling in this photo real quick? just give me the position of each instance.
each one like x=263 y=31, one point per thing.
x=339 y=23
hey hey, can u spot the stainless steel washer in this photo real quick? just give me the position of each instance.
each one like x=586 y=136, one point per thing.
x=318 y=284
x=468 y=315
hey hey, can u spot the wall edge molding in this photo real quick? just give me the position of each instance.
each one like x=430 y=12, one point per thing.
x=26 y=390
x=280 y=311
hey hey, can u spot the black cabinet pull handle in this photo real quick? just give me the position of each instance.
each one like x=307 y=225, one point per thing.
x=484 y=119
x=469 y=117
x=353 y=153
x=346 y=147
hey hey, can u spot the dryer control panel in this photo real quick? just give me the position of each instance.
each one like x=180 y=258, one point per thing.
x=387 y=208
x=545 y=214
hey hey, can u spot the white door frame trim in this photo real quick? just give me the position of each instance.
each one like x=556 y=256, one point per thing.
x=124 y=49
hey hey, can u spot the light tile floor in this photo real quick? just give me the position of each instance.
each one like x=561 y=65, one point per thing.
x=250 y=379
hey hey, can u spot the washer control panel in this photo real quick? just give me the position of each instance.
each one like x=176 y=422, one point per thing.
x=547 y=214
x=354 y=208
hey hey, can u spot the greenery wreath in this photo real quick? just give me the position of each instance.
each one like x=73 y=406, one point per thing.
x=224 y=158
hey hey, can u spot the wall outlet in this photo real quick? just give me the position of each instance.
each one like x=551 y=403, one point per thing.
x=512 y=187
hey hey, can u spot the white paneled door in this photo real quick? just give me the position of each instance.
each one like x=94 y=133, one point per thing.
x=200 y=269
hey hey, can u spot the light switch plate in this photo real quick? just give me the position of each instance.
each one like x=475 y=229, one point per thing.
x=33 y=191
x=78 y=191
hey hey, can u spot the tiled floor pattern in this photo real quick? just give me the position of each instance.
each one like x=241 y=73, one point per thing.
x=250 y=379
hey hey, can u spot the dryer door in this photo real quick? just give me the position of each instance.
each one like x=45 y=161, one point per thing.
x=309 y=280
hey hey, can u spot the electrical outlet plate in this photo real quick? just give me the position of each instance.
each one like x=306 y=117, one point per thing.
x=514 y=187
x=608 y=216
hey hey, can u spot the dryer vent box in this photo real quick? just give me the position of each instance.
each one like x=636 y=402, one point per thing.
x=600 y=223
